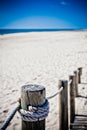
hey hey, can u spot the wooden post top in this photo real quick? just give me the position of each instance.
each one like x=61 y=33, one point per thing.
x=32 y=88
x=80 y=70
x=75 y=72
x=71 y=76
x=32 y=94
x=62 y=83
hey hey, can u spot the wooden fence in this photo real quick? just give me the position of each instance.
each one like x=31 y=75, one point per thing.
x=67 y=116
x=35 y=96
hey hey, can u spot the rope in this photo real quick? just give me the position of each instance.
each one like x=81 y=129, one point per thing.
x=35 y=113
x=60 y=90
x=70 y=81
x=9 y=118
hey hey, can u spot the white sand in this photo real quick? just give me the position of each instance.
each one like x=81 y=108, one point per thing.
x=41 y=58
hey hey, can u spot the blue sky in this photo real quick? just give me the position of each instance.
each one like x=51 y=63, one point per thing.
x=30 y=14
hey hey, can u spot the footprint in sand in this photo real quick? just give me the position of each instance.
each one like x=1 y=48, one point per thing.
x=5 y=111
x=14 y=90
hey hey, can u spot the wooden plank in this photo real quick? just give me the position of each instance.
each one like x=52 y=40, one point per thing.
x=78 y=124
x=78 y=128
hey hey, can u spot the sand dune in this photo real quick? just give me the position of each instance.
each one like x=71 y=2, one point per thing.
x=41 y=58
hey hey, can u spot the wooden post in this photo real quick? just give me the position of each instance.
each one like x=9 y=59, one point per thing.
x=76 y=83
x=32 y=95
x=63 y=105
x=79 y=74
x=72 y=98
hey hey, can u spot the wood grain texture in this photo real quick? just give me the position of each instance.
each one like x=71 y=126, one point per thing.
x=72 y=99
x=33 y=95
x=79 y=74
x=63 y=105
x=76 y=83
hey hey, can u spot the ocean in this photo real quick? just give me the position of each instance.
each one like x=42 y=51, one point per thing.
x=9 y=31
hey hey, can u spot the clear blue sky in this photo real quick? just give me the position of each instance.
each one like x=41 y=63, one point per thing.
x=43 y=14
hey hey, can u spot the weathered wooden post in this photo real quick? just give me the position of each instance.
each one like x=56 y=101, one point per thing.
x=63 y=105
x=33 y=95
x=76 y=83
x=72 y=98
x=79 y=74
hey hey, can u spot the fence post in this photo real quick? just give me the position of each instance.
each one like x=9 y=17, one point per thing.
x=32 y=95
x=72 y=98
x=76 y=83
x=63 y=105
x=79 y=74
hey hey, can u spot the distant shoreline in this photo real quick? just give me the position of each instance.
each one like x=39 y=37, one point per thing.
x=10 y=31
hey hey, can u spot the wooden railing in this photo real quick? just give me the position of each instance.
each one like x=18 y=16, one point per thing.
x=34 y=95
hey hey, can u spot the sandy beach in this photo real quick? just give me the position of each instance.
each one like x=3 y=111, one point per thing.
x=40 y=58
